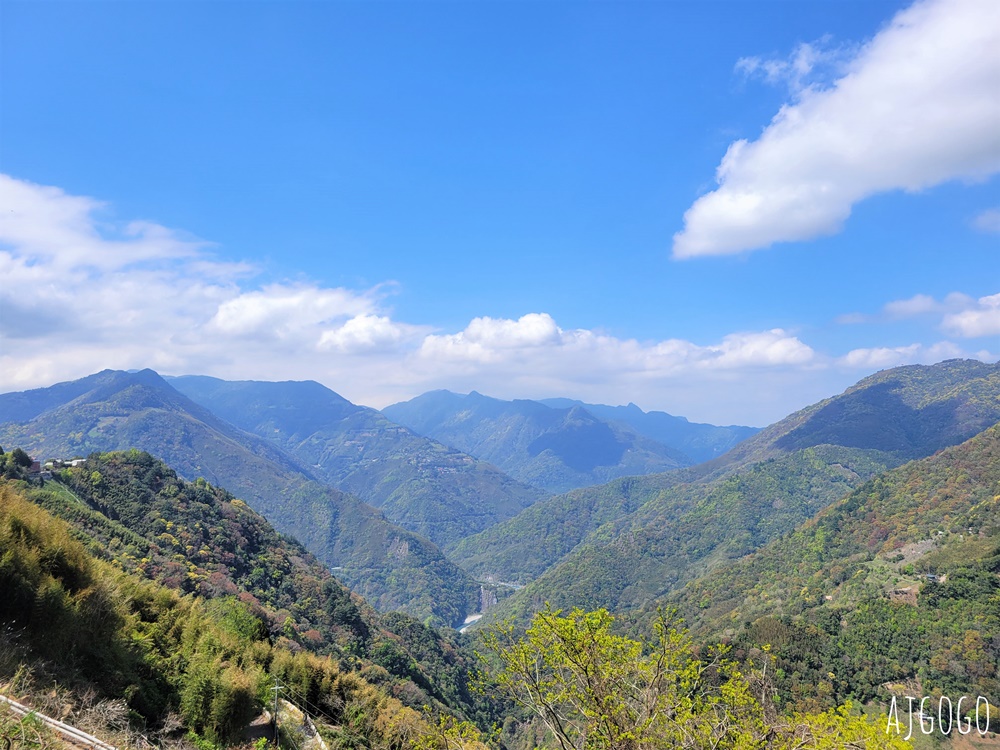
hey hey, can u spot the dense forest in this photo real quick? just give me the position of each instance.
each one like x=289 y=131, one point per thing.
x=179 y=597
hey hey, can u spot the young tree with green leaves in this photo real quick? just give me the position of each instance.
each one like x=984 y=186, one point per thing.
x=595 y=690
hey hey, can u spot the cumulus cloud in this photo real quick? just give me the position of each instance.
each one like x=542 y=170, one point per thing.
x=880 y=358
x=536 y=339
x=487 y=339
x=282 y=310
x=981 y=318
x=988 y=221
x=916 y=107
x=368 y=333
x=83 y=292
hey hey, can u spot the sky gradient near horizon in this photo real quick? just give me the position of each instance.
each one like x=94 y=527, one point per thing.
x=723 y=210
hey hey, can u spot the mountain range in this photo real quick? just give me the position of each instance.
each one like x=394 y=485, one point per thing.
x=636 y=540
x=560 y=444
x=326 y=471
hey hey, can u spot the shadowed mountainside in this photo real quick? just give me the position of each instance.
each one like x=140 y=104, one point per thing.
x=417 y=482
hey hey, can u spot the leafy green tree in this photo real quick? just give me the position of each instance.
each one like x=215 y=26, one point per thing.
x=595 y=690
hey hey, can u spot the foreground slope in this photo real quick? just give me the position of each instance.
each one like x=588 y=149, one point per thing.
x=551 y=447
x=417 y=482
x=195 y=538
x=391 y=567
x=763 y=488
x=77 y=630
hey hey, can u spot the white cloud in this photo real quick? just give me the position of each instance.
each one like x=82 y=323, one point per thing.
x=82 y=293
x=769 y=348
x=179 y=310
x=880 y=358
x=63 y=231
x=924 y=304
x=916 y=107
x=919 y=305
x=988 y=221
x=806 y=68
x=282 y=310
x=368 y=333
x=486 y=339
x=959 y=314
x=982 y=318
x=536 y=339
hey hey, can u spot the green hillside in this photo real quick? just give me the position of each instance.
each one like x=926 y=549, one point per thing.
x=524 y=547
x=897 y=583
x=921 y=518
x=135 y=511
x=420 y=484
x=194 y=671
x=687 y=529
x=393 y=568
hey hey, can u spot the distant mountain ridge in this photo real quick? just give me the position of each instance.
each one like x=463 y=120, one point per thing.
x=555 y=448
x=391 y=567
x=699 y=442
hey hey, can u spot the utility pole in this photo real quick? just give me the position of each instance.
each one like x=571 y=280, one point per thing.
x=276 y=689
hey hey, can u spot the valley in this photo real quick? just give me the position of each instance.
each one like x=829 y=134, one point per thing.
x=856 y=539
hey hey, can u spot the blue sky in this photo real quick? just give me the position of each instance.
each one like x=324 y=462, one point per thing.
x=725 y=210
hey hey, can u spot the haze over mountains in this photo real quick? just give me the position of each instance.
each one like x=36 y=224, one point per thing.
x=419 y=483
x=699 y=442
x=555 y=447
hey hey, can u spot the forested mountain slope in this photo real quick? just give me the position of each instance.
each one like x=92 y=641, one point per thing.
x=417 y=482
x=936 y=512
x=393 y=568
x=134 y=511
x=556 y=448
x=763 y=488
x=899 y=582
x=524 y=547
x=909 y=412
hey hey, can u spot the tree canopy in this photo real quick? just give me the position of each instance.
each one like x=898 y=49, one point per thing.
x=596 y=690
